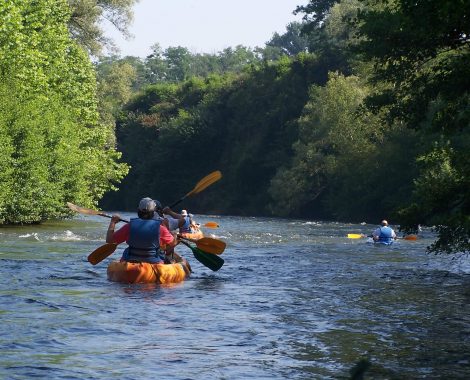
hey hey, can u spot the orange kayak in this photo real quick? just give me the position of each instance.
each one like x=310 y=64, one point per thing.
x=131 y=273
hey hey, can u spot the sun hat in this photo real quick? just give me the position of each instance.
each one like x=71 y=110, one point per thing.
x=184 y=213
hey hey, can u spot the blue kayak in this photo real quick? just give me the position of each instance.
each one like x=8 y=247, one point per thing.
x=371 y=241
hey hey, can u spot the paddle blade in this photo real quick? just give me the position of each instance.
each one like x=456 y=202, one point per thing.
x=205 y=182
x=211 y=245
x=410 y=237
x=82 y=210
x=87 y=211
x=355 y=236
x=211 y=225
x=100 y=253
x=210 y=261
x=201 y=185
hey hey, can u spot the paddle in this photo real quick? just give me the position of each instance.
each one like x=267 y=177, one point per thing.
x=210 y=225
x=409 y=237
x=100 y=253
x=208 y=245
x=212 y=262
x=355 y=236
x=359 y=236
x=87 y=211
x=201 y=185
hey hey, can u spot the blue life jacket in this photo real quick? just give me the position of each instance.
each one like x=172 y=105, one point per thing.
x=144 y=241
x=186 y=227
x=385 y=236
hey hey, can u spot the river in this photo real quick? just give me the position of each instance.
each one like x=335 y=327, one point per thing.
x=295 y=299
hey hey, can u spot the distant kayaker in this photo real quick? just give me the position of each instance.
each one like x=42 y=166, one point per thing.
x=384 y=234
x=189 y=226
x=148 y=238
x=183 y=222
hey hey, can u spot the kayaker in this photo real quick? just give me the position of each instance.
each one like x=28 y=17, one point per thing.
x=145 y=235
x=189 y=226
x=384 y=234
x=172 y=220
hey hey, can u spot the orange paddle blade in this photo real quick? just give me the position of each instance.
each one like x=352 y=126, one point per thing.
x=100 y=253
x=211 y=245
x=410 y=237
x=201 y=185
x=211 y=225
x=205 y=182
x=208 y=245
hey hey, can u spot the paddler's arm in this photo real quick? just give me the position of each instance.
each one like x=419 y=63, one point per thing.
x=112 y=225
x=167 y=243
x=375 y=234
x=167 y=240
x=174 y=215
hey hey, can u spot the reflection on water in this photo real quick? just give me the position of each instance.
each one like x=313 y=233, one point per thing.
x=295 y=299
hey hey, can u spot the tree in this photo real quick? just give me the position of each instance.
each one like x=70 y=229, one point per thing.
x=421 y=51
x=53 y=140
x=315 y=12
x=178 y=60
x=292 y=42
x=331 y=139
x=155 y=65
x=86 y=16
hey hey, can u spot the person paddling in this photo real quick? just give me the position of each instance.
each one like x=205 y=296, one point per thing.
x=148 y=239
x=172 y=220
x=189 y=226
x=183 y=222
x=384 y=234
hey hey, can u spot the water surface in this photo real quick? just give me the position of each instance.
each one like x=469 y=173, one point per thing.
x=295 y=299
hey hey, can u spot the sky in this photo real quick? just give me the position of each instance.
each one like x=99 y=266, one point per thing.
x=204 y=26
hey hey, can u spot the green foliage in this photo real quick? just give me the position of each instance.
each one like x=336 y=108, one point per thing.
x=115 y=83
x=242 y=125
x=441 y=196
x=290 y=43
x=425 y=55
x=176 y=64
x=424 y=62
x=316 y=11
x=345 y=159
x=52 y=147
x=86 y=17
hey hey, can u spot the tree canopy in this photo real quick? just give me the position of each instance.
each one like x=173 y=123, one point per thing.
x=86 y=17
x=53 y=147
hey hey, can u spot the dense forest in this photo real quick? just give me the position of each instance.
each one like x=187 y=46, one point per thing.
x=359 y=112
